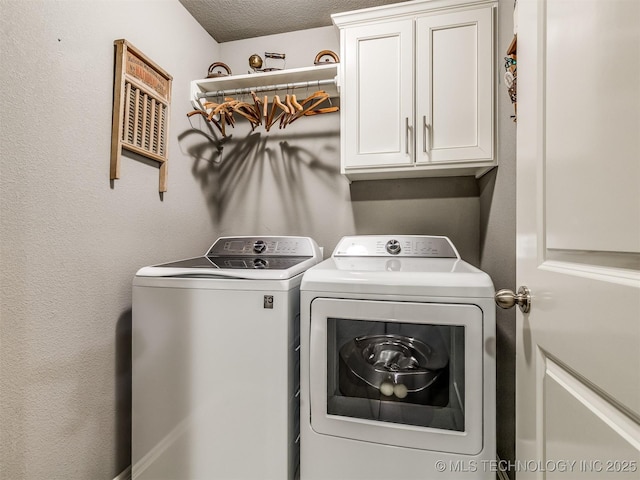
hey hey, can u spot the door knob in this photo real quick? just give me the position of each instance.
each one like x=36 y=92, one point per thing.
x=505 y=298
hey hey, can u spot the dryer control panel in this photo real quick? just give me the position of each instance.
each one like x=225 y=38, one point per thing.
x=417 y=246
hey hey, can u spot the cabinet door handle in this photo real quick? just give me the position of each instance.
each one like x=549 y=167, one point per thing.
x=425 y=127
x=406 y=138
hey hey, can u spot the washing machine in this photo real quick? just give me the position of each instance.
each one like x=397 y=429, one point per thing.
x=215 y=360
x=397 y=363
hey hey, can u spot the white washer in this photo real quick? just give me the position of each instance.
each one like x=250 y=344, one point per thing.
x=215 y=362
x=397 y=363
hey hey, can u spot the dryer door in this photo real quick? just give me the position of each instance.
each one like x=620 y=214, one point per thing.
x=398 y=373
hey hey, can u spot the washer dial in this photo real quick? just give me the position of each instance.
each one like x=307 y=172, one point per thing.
x=259 y=246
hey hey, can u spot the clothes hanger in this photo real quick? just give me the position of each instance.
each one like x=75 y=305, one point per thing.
x=313 y=96
x=219 y=122
x=212 y=106
x=226 y=117
x=277 y=104
x=320 y=111
x=220 y=108
x=251 y=112
x=196 y=112
x=247 y=110
x=295 y=103
x=292 y=109
x=269 y=118
x=257 y=104
x=206 y=116
x=317 y=111
x=287 y=102
x=285 y=120
x=310 y=98
x=315 y=99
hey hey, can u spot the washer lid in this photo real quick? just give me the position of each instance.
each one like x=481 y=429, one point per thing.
x=267 y=258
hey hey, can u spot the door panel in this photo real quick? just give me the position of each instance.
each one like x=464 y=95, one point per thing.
x=606 y=449
x=454 y=87
x=378 y=94
x=592 y=96
x=455 y=91
x=578 y=362
x=372 y=133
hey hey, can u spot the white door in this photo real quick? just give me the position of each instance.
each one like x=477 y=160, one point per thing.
x=454 y=86
x=378 y=94
x=578 y=239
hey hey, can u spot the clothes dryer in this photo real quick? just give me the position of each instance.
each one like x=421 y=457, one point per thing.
x=397 y=363
x=215 y=362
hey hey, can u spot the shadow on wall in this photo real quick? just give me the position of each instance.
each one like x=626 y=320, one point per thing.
x=260 y=176
x=126 y=156
x=498 y=258
x=123 y=391
x=487 y=187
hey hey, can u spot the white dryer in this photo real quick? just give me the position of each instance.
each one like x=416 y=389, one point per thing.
x=397 y=363
x=215 y=362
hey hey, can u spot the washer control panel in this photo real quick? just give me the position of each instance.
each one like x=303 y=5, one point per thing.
x=263 y=246
x=418 y=246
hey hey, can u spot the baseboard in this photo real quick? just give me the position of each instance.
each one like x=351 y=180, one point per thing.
x=125 y=474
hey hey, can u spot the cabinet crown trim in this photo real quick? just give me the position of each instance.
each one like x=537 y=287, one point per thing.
x=402 y=9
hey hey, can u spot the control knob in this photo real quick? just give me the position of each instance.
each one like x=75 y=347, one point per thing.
x=393 y=247
x=259 y=246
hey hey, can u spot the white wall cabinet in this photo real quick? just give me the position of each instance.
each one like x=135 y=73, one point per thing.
x=417 y=89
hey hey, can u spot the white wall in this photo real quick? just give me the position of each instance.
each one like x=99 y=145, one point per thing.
x=71 y=243
x=300 y=48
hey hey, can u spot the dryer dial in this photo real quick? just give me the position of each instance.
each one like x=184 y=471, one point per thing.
x=393 y=247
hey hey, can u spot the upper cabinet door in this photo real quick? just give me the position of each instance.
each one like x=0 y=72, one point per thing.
x=454 y=87
x=377 y=97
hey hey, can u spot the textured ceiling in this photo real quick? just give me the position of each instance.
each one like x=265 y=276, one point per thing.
x=228 y=20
